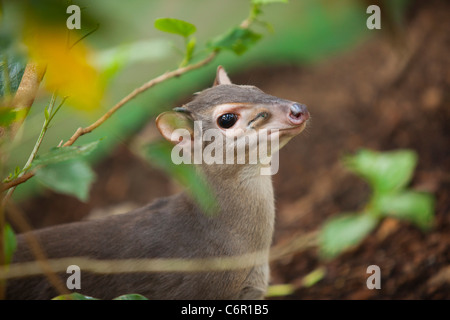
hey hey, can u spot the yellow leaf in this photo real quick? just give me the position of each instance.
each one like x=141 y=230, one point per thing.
x=68 y=71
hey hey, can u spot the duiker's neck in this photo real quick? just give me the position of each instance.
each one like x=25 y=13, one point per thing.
x=245 y=201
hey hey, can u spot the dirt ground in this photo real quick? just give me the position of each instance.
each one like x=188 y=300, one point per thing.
x=380 y=96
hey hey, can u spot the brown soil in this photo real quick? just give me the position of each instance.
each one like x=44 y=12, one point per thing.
x=372 y=97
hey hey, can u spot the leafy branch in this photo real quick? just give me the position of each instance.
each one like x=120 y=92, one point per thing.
x=388 y=174
x=49 y=115
x=238 y=40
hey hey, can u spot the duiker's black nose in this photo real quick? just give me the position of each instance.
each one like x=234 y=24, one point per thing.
x=299 y=111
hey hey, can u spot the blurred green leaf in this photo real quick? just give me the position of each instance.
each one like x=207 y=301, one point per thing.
x=345 y=231
x=159 y=154
x=60 y=154
x=114 y=59
x=313 y=277
x=384 y=171
x=11 y=72
x=73 y=296
x=9 y=243
x=7 y=116
x=237 y=40
x=6 y=40
x=280 y=290
x=72 y=177
x=131 y=296
x=415 y=207
x=176 y=26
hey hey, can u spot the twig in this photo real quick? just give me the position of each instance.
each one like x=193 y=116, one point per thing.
x=168 y=75
x=139 y=265
x=82 y=131
x=33 y=242
x=17 y=181
x=37 y=145
x=295 y=245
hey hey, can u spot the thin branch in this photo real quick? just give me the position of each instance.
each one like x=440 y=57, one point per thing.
x=36 y=145
x=17 y=181
x=17 y=217
x=41 y=134
x=160 y=264
x=82 y=131
x=168 y=75
x=297 y=244
x=29 y=85
x=86 y=264
x=27 y=90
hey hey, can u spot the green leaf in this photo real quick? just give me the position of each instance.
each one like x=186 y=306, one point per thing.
x=280 y=290
x=60 y=154
x=238 y=40
x=132 y=296
x=416 y=207
x=190 y=47
x=176 y=26
x=313 y=277
x=7 y=116
x=159 y=154
x=11 y=72
x=69 y=177
x=345 y=231
x=268 y=1
x=114 y=59
x=46 y=114
x=14 y=175
x=73 y=296
x=384 y=171
x=9 y=243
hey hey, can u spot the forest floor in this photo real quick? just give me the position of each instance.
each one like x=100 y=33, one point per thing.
x=378 y=96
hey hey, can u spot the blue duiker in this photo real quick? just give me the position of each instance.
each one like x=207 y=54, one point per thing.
x=177 y=227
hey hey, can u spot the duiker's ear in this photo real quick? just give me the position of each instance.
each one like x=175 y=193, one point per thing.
x=175 y=126
x=221 y=77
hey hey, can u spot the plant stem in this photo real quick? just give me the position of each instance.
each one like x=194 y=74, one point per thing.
x=41 y=135
x=36 y=145
x=255 y=11
x=136 y=92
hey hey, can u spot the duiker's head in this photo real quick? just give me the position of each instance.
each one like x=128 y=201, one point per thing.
x=232 y=124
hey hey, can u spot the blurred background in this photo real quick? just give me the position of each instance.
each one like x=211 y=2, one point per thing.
x=379 y=89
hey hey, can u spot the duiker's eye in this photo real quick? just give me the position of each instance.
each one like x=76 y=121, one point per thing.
x=227 y=120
